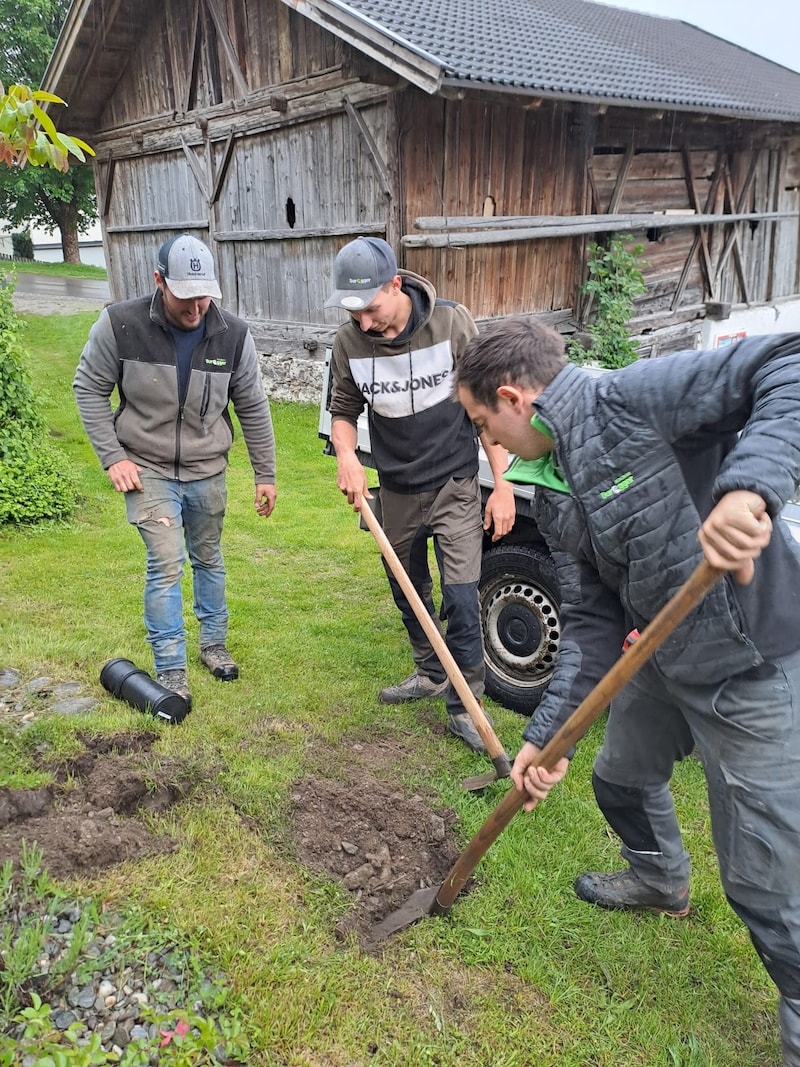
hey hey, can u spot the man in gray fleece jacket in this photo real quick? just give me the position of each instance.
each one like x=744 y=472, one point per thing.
x=178 y=362
x=638 y=474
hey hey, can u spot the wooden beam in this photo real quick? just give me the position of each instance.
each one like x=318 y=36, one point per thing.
x=196 y=169
x=222 y=169
x=105 y=173
x=701 y=239
x=732 y=241
x=300 y=234
x=622 y=177
x=157 y=227
x=616 y=224
x=223 y=34
x=643 y=220
x=194 y=63
x=378 y=165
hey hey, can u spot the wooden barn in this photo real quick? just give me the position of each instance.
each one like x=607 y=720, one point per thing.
x=490 y=141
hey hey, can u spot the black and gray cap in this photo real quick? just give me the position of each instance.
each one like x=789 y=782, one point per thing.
x=360 y=271
x=187 y=267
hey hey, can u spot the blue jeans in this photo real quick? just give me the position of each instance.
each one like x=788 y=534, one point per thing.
x=170 y=515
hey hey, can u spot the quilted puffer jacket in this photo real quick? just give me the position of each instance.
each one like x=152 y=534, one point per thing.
x=647 y=451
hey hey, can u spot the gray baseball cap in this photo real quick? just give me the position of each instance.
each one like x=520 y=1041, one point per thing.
x=360 y=271
x=187 y=267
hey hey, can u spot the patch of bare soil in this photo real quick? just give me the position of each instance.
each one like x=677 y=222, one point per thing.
x=87 y=819
x=367 y=833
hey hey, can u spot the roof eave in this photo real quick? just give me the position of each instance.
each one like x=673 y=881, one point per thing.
x=463 y=85
x=405 y=59
x=66 y=42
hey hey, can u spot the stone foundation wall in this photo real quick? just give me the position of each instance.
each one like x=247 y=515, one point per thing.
x=292 y=378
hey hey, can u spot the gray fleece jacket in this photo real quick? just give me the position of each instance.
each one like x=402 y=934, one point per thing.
x=131 y=348
x=647 y=451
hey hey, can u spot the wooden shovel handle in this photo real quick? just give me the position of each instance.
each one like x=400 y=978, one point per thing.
x=453 y=671
x=674 y=611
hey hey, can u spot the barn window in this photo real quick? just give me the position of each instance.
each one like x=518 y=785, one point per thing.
x=291 y=214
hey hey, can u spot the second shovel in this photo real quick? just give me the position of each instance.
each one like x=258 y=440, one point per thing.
x=502 y=766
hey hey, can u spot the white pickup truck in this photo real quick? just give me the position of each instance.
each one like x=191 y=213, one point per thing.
x=519 y=593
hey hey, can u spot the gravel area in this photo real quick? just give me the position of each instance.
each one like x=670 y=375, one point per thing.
x=30 y=304
x=111 y=990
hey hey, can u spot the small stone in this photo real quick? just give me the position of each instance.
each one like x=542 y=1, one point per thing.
x=66 y=689
x=40 y=686
x=349 y=848
x=75 y=706
x=62 y=1020
x=121 y=1037
x=86 y=998
x=107 y=1033
x=9 y=678
x=438 y=830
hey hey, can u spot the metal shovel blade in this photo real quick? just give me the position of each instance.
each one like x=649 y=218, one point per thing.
x=418 y=905
x=481 y=781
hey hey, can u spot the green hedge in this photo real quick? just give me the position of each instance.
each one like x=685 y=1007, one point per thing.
x=35 y=479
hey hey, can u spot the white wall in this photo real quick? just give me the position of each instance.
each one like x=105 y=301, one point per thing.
x=91 y=253
x=780 y=317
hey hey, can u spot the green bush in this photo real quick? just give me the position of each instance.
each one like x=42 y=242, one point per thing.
x=35 y=479
x=615 y=278
x=22 y=244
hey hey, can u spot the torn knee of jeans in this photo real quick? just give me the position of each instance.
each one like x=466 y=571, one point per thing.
x=158 y=520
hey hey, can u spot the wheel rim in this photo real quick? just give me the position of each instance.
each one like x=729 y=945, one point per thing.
x=521 y=631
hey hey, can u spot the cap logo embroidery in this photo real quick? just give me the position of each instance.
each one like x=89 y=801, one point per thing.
x=195 y=266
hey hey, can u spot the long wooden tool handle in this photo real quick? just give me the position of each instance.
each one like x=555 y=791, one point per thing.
x=674 y=611
x=468 y=698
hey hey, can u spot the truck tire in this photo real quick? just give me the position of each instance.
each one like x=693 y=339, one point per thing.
x=519 y=601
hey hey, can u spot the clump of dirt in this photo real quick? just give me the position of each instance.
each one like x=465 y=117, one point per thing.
x=87 y=819
x=366 y=833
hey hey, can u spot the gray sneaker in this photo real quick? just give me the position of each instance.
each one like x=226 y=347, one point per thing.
x=462 y=727
x=220 y=662
x=415 y=687
x=177 y=682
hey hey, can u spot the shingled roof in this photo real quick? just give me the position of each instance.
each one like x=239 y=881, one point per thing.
x=573 y=49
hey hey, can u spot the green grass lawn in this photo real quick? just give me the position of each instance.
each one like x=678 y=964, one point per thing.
x=62 y=270
x=520 y=973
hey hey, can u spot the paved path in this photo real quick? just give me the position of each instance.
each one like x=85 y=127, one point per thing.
x=48 y=285
x=46 y=294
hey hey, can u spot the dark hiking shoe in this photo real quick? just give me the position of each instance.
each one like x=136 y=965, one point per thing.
x=176 y=681
x=462 y=727
x=415 y=687
x=625 y=890
x=220 y=662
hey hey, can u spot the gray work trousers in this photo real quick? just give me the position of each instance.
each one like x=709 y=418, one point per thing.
x=747 y=731
x=451 y=516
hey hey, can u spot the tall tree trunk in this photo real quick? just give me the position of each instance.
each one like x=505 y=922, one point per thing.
x=68 y=225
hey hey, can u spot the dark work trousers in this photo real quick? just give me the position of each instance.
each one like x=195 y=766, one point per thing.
x=452 y=517
x=747 y=730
